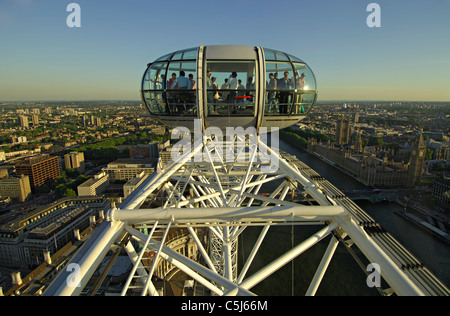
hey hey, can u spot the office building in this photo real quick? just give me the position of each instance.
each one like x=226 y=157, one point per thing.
x=145 y=151
x=23 y=121
x=35 y=119
x=126 y=169
x=75 y=160
x=41 y=170
x=19 y=140
x=4 y=171
x=98 y=122
x=165 y=156
x=24 y=240
x=131 y=185
x=17 y=188
x=94 y=186
x=85 y=120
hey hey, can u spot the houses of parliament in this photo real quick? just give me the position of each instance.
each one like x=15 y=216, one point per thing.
x=373 y=167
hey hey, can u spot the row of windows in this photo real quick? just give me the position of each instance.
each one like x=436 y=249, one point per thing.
x=230 y=88
x=191 y=54
x=228 y=75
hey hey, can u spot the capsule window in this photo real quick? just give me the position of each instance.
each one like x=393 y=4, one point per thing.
x=230 y=88
x=304 y=77
x=189 y=54
x=181 y=95
x=272 y=55
x=280 y=88
x=154 y=79
x=305 y=89
x=153 y=86
x=164 y=58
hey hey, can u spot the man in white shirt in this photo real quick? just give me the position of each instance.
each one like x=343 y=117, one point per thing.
x=181 y=97
x=183 y=82
x=233 y=83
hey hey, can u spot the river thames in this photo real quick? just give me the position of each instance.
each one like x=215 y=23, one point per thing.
x=344 y=276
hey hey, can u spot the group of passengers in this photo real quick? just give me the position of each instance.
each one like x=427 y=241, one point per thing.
x=279 y=92
x=183 y=99
x=182 y=83
x=230 y=93
x=233 y=91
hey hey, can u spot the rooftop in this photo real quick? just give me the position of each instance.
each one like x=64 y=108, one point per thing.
x=148 y=163
x=20 y=222
x=34 y=160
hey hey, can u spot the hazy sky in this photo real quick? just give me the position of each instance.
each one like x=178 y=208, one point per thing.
x=41 y=58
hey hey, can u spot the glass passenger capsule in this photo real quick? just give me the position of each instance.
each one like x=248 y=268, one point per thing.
x=229 y=86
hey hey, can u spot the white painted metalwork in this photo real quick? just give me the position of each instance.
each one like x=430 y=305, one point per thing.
x=215 y=187
x=322 y=267
x=224 y=197
x=137 y=263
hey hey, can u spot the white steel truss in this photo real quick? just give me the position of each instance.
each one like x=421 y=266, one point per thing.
x=224 y=197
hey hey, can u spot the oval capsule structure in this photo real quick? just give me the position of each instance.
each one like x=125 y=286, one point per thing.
x=229 y=86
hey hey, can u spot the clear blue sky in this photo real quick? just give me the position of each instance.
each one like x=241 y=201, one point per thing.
x=408 y=58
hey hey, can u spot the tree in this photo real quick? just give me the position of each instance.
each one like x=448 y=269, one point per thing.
x=429 y=155
x=60 y=190
x=72 y=173
x=69 y=192
x=61 y=179
x=375 y=141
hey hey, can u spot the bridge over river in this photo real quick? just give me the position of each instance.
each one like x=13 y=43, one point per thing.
x=374 y=196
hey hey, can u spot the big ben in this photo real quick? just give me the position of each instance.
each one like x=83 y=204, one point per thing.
x=416 y=162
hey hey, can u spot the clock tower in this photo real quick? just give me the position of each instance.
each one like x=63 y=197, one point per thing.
x=416 y=162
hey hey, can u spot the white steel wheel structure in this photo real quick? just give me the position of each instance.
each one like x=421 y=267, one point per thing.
x=209 y=194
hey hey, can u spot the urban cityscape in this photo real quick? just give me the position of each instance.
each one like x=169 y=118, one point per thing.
x=64 y=164
x=206 y=151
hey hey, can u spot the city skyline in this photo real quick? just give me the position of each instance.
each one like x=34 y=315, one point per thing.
x=43 y=59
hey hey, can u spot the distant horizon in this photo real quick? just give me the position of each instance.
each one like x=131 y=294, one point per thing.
x=45 y=58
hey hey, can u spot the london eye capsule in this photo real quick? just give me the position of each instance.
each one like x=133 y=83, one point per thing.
x=229 y=86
